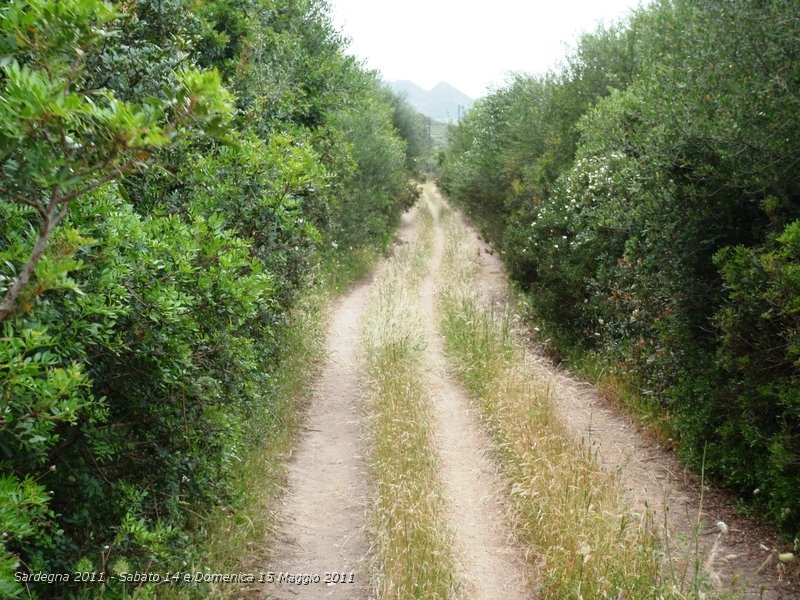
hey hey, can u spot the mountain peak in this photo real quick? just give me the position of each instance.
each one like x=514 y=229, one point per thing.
x=443 y=102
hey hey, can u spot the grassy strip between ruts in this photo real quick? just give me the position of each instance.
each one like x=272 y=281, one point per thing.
x=584 y=541
x=412 y=556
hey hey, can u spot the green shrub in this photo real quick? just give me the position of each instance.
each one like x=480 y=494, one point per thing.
x=153 y=240
x=640 y=196
x=759 y=325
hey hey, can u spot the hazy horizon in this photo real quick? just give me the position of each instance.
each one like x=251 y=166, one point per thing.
x=472 y=49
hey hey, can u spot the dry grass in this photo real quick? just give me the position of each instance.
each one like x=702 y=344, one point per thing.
x=412 y=556
x=583 y=540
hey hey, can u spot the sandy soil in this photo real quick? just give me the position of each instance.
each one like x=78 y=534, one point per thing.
x=321 y=527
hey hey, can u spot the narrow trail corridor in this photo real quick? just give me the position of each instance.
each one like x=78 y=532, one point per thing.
x=324 y=522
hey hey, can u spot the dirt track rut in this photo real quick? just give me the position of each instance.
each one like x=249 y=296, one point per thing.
x=322 y=518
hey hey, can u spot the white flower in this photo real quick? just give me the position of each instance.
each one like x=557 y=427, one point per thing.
x=585 y=551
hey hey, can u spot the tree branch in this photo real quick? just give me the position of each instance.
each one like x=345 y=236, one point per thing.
x=52 y=215
x=34 y=203
x=10 y=299
x=108 y=177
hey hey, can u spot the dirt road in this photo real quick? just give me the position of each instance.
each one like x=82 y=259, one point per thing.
x=323 y=516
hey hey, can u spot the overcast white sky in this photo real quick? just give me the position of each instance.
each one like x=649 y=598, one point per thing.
x=471 y=45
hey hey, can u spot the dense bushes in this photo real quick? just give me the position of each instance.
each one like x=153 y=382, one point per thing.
x=646 y=198
x=155 y=229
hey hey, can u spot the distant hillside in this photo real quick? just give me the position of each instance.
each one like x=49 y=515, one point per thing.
x=440 y=103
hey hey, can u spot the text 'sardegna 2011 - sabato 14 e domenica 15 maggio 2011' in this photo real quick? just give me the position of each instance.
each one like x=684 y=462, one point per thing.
x=178 y=577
